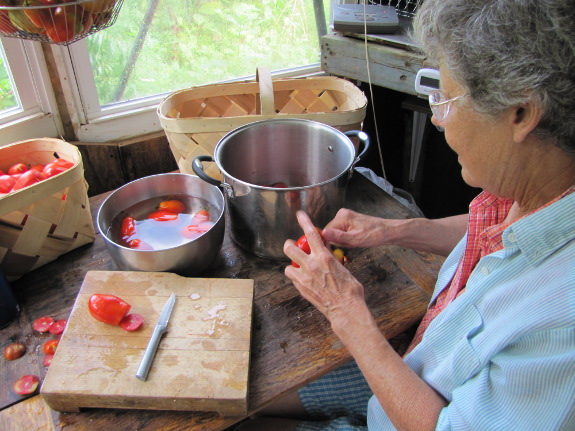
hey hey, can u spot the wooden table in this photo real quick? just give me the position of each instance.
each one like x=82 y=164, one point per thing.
x=292 y=342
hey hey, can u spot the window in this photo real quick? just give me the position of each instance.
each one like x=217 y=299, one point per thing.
x=121 y=73
x=27 y=105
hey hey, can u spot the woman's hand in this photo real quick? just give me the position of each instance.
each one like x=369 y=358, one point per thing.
x=352 y=230
x=321 y=279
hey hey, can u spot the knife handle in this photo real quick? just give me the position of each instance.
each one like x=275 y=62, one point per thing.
x=147 y=359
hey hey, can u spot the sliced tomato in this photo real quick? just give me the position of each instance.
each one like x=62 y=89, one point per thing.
x=172 y=205
x=50 y=346
x=139 y=244
x=132 y=322
x=194 y=230
x=14 y=351
x=28 y=178
x=48 y=359
x=17 y=168
x=26 y=385
x=108 y=308
x=58 y=327
x=43 y=324
x=163 y=215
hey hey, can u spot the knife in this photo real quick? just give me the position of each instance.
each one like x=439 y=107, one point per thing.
x=160 y=329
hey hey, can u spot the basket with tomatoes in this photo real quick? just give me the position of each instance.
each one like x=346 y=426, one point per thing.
x=56 y=21
x=44 y=207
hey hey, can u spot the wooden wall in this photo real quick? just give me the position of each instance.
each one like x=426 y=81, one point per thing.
x=110 y=165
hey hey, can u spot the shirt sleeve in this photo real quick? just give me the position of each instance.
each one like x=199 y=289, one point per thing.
x=529 y=385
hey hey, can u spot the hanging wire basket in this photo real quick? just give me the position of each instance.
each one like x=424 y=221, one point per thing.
x=58 y=22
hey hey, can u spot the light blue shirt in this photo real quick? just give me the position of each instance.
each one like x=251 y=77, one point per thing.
x=503 y=352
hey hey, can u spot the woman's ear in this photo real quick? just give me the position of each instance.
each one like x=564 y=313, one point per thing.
x=524 y=119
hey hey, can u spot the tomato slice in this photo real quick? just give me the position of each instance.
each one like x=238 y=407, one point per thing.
x=14 y=351
x=49 y=347
x=172 y=205
x=58 y=327
x=48 y=359
x=108 y=308
x=43 y=324
x=26 y=385
x=132 y=322
x=163 y=215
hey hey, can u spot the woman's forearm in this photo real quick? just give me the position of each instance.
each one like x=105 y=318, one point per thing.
x=437 y=236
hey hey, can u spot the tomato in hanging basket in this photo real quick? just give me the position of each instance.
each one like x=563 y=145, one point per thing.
x=64 y=25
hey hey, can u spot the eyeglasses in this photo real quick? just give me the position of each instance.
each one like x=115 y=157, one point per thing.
x=439 y=105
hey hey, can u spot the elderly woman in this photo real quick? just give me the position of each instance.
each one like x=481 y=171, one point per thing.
x=496 y=349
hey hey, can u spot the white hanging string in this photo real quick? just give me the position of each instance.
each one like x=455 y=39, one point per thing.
x=371 y=90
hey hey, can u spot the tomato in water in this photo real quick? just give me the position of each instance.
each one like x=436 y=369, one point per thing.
x=128 y=227
x=49 y=347
x=201 y=216
x=163 y=215
x=172 y=205
x=108 y=308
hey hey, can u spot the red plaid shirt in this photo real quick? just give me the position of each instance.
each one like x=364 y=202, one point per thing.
x=484 y=236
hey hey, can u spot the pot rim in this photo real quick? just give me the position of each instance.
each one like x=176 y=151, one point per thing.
x=237 y=130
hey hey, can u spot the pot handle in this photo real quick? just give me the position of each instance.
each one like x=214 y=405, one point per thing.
x=363 y=141
x=199 y=169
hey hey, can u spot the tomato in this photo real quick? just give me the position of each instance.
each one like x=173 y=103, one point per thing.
x=48 y=359
x=339 y=254
x=280 y=185
x=304 y=245
x=21 y=21
x=6 y=183
x=58 y=327
x=108 y=308
x=6 y=25
x=50 y=347
x=39 y=168
x=18 y=168
x=43 y=324
x=132 y=322
x=195 y=230
x=172 y=205
x=201 y=216
x=26 y=385
x=27 y=179
x=139 y=244
x=56 y=167
x=127 y=227
x=14 y=351
x=37 y=16
x=64 y=25
x=163 y=215
x=98 y=6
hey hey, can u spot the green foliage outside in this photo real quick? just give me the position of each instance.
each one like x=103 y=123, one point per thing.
x=195 y=42
x=7 y=97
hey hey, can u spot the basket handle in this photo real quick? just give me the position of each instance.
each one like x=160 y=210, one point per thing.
x=266 y=100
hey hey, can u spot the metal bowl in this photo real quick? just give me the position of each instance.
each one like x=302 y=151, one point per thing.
x=188 y=259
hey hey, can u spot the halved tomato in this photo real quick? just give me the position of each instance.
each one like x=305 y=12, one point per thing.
x=108 y=308
x=43 y=324
x=26 y=385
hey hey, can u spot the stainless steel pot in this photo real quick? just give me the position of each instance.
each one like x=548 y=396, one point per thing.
x=314 y=160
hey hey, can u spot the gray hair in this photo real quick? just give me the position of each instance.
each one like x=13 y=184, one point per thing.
x=506 y=52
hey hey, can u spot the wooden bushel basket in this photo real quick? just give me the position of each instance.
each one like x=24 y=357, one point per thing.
x=41 y=222
x=196 y=119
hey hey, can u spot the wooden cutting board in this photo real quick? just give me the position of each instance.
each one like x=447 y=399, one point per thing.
x=202 y=362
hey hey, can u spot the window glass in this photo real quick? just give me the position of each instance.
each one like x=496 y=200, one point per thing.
x=8 y=99
x=157 y=47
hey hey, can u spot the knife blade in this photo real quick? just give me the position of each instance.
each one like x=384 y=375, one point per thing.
x=160 y=329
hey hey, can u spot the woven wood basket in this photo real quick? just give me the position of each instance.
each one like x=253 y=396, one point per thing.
x=43 y=221
x=196 y=119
